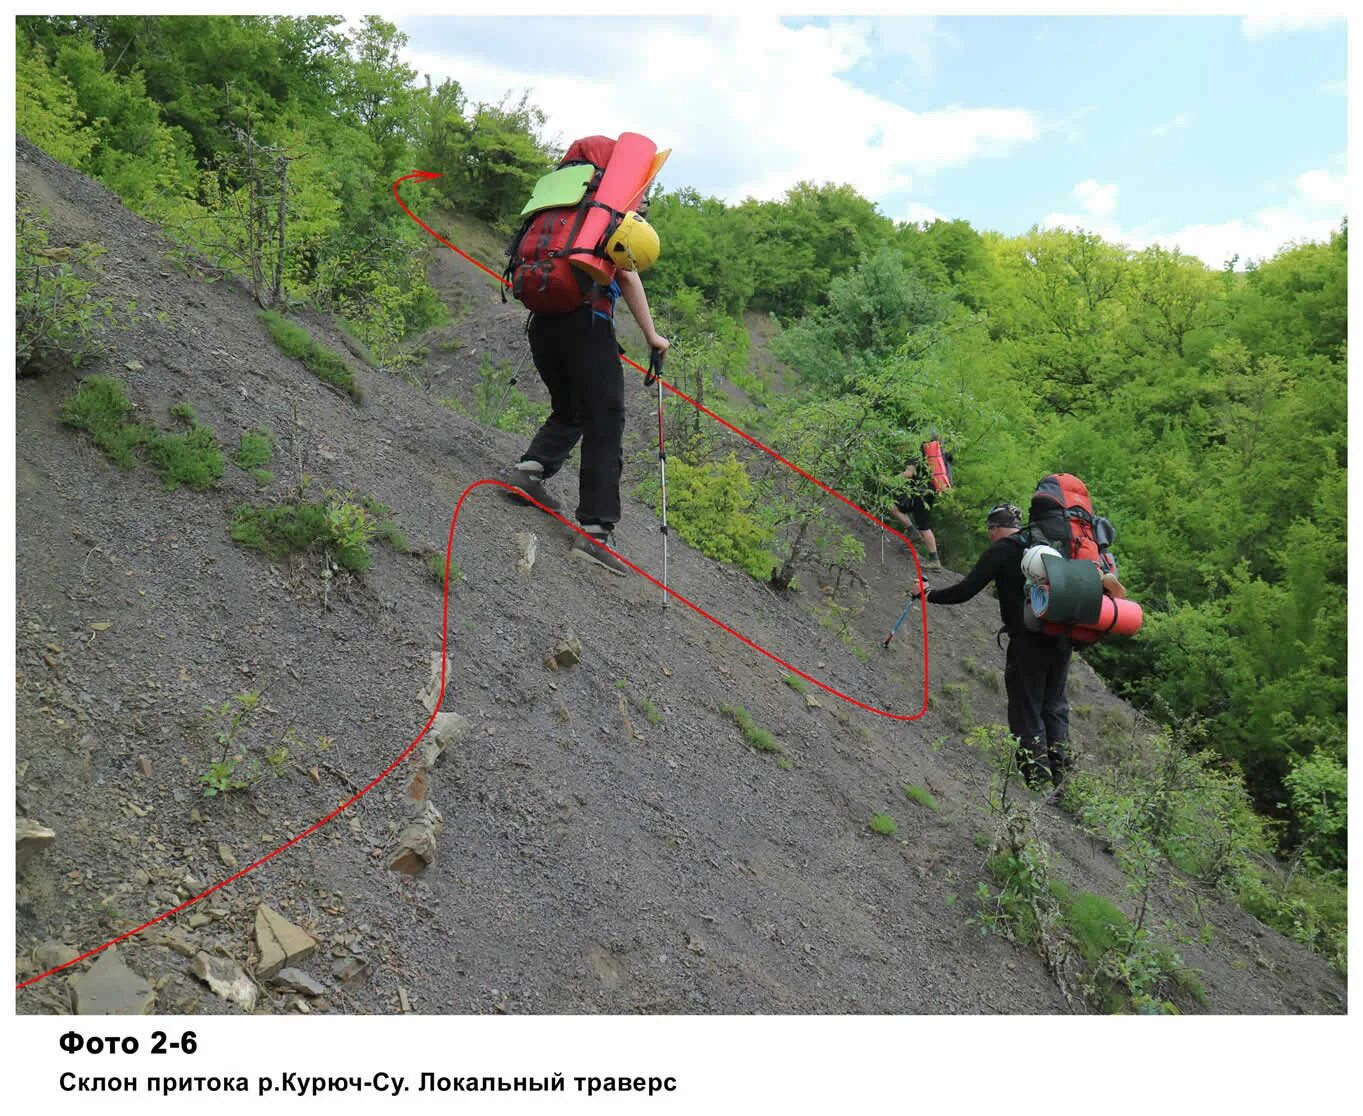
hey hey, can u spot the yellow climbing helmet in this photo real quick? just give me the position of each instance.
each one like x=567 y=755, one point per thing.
x=633 y=244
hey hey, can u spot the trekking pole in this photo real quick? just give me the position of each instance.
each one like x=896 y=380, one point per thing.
x=655 y=368
x=902 y=616
x=506 y=391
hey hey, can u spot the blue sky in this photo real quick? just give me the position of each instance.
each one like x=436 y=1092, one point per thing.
x=1222 y=135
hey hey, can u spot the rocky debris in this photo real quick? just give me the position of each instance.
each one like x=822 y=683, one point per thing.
x=445 y=730
x=176 y=943
x=109 y=987
x=279 y=942
x=49 y=954
x=298 y=981
x=348 y=970
x=30 y=838
x=567 y=653
x=226 y=856
x=144 y=766
x=528 y=544
x=419 y=789
x=811 y=702
x=430 y=693
x=417 y=842
x=226 y=978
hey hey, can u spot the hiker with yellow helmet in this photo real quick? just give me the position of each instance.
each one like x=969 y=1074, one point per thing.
x=577 y=356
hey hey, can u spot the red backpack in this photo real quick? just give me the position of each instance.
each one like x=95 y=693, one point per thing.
x=538 y=270
x=939 y=464
x=1062 y=512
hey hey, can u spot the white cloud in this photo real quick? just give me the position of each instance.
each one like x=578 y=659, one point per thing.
x=1098 y=199
x=1178 y=123
x=1264 y=25
x=750 y=105
x=1323 y=190
x=1313 y=212
x=916 y=214
x=1338 y=88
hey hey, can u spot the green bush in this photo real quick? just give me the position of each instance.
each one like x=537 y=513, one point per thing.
x=497 y=402
x=295 y=341
x=1310 y=908
x=713 y=507
x=56 y=316
x=339 y=528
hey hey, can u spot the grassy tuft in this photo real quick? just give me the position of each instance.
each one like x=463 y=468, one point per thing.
x=101 y=408
x=758 y=738
x=303 y=527
x=296 y=342
x=192 y=459
x=921 y=796
x=254 y=452
x=883 y=824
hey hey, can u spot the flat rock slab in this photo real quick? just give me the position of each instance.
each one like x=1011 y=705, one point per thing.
x=280 y=942
x=109 y=987
x=445 y=730
x=29 y=839
x=430 y=693
x=298 y=979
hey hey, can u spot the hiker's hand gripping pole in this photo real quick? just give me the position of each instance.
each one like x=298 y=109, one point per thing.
x=655 y=369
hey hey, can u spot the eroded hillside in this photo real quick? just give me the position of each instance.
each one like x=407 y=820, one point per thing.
x=610 y=842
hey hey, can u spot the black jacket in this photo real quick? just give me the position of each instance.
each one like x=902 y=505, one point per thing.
x=1001 y=564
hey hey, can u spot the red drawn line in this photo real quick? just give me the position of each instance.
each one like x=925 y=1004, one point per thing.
x=444 y=632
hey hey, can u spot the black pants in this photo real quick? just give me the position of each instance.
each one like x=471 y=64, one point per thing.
x=1034 y=676
x=918 y=507
x=577 y=358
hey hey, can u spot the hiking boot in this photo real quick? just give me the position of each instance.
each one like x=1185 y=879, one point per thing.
x=527 y=479
x=932 y=563
x=590 y=549
x=1061 y=763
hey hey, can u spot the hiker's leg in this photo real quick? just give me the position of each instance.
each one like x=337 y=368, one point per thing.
x=921 y=511
x=551 y=347
x=601 y=379
x=1055 y=711
x=1024 y=684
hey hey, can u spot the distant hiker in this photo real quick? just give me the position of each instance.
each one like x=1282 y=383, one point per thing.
x=914 y=507
x=1037 y=664
x=573 y=343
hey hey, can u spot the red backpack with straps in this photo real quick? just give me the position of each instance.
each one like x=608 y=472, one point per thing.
x=539 y=271
x=1063 y=513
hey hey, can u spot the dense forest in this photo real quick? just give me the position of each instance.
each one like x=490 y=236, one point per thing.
x=1204 y=408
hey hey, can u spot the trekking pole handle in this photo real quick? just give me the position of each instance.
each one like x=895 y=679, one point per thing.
x=655 y=367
